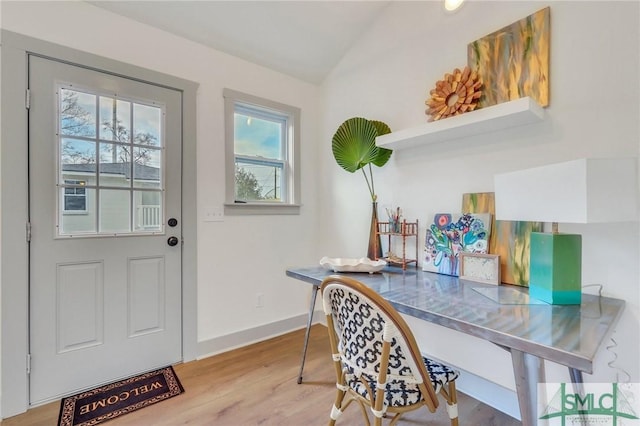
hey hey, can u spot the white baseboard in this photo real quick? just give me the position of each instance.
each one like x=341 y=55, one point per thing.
x=217 y=345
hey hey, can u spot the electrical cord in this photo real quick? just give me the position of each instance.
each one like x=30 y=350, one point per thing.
x=611 y=347
x=612 y=363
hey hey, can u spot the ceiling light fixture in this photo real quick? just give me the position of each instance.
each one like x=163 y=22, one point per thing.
x=452 y=5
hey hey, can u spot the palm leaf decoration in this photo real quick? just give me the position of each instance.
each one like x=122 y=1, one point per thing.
x=354 y=147
x=383 y=154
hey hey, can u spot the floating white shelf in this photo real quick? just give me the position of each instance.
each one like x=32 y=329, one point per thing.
x=489 y=119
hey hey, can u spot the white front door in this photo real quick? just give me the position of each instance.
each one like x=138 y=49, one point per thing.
x=104 y=203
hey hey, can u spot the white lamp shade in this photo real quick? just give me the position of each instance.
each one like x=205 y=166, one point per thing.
x=579 y=191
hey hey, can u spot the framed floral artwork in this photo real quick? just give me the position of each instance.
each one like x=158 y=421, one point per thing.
x=450 y=234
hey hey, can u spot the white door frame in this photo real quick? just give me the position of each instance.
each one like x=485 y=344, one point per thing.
x=14 y=250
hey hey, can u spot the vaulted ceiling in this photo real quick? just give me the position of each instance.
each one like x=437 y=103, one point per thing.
x=304 y=39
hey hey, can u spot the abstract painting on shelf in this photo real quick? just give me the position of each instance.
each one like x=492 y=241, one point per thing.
x=513 y=62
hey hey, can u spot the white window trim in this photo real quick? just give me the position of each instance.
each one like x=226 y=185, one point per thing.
x=231 y=207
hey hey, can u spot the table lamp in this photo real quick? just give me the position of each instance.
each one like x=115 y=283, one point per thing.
x=579 y=191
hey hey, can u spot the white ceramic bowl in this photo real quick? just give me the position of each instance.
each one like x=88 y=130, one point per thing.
x=343 y=264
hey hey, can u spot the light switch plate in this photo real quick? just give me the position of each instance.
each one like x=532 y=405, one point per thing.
x=214 y=214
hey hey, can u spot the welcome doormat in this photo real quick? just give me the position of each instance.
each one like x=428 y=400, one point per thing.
x=118 y=398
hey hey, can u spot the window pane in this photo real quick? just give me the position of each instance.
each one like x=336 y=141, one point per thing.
x=115 y=119
x=74 y=151
x=78 y=214
x=77 y=113
x=258 y=182
x=115 y=168
x=77 y=158
x=148 y=211
x=115 y=210
x=258 y=137
x=75 y=203
x=146 y=125
x=147 y=172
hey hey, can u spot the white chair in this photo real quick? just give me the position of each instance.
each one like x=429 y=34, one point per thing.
x=376 y=358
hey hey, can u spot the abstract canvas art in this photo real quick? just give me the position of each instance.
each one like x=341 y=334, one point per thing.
x=448 y=235
x=513 y=62
x=511 y=240
x=513 y=244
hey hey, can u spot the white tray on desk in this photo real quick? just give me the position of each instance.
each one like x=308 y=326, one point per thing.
x=344 y=264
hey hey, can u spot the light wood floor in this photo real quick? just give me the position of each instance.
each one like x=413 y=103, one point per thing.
x=256 y=385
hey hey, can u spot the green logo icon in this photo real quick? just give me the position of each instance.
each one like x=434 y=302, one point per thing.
x=597 y=404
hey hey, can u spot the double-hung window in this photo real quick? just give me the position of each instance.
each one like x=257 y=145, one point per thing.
x=75 y=196
x=262 y=155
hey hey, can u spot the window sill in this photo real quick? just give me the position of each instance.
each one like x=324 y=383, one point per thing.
x=242 y=209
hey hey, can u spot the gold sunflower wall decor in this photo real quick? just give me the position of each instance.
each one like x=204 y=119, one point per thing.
x=457 y=93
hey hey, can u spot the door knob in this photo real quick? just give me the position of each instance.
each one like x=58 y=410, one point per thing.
x=172 y=241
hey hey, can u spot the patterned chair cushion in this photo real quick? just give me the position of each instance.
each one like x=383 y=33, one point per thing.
x=439 y=374
x=401 y=393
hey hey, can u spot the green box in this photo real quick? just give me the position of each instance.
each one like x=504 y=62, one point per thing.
x=555 y=276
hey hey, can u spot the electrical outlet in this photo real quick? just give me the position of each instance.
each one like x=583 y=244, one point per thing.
x=259 y=300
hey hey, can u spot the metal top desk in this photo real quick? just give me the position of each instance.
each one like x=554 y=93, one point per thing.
x=569 y=335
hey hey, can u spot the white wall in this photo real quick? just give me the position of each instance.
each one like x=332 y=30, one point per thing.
x=593 y=112
x=386 y=76
x=241 y=256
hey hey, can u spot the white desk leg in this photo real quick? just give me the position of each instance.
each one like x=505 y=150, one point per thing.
x=528 y=371
x=306 y=334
